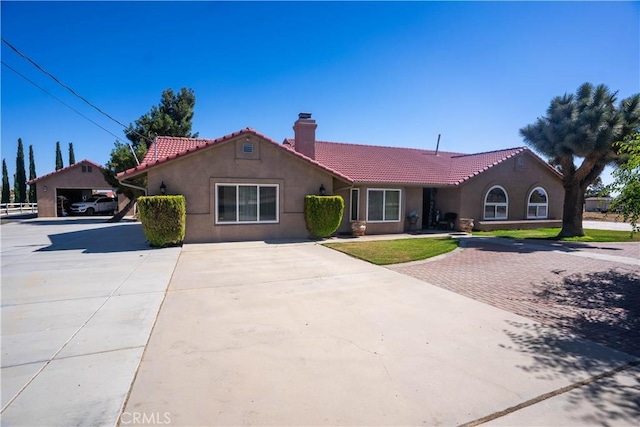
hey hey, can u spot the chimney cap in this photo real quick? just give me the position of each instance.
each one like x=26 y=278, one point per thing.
x=304 y=115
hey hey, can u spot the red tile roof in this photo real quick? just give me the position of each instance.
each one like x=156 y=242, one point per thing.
x=354 y=162
x=376 y=164
x=76 y=164
x=171 y=147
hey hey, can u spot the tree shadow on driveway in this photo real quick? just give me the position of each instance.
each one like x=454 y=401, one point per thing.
x=612 y=398
x=604 y=308
x=122 y=237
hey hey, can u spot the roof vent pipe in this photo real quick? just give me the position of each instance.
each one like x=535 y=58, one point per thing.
x=438 y=144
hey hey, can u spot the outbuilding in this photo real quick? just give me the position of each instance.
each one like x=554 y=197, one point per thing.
x=56 y=191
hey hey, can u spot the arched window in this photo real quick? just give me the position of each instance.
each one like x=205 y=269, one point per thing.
x=538 y=203
x=496 y=203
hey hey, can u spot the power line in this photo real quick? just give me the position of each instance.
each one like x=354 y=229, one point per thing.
x=68 y=88
x=59 y=100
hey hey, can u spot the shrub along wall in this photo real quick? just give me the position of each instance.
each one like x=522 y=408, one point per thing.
x=163 y=219
x=323 y=214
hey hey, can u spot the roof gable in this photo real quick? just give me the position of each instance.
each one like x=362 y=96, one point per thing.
x=65 y=169
x=167 y=148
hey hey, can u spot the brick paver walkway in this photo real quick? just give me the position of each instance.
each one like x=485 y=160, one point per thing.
x=592 y=290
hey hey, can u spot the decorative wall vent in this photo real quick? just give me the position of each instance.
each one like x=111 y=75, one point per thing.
x=247 y=148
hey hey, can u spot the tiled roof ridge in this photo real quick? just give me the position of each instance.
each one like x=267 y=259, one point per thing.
x=210 y=140
x=388 y=146
x=520 y=149
x=64 y=169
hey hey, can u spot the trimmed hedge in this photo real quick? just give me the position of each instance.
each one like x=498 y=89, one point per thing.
x=163 y=219
x=323 y=214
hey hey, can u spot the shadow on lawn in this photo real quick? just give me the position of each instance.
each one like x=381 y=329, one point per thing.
x=505 y=244
x=606 y=310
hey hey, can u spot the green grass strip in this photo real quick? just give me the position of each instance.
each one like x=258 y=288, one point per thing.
x=384 y=252
x=552 y=233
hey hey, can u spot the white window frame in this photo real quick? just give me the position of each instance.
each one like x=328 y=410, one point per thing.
x=384 y=202
x=237 y=221
x=357 y=204
x=538 y=205
x=495 y=205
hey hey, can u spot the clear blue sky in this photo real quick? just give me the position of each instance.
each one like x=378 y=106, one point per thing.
x=381 y=73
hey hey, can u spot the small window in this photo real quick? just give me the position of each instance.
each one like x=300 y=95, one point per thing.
x=538 y=204
x=355 y=204
x=89 y=169
x=496 y=203
x=383 y=205
x=84 y=168
x=247 y=148
x=246 y=203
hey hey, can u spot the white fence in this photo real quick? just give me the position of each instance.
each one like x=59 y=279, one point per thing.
x=18 y=208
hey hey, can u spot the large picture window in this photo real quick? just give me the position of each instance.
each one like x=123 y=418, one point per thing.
x=538 y=204
x=246 y=203
x=383 y=205
x=496 y=203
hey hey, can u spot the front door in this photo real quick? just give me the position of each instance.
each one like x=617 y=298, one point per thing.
x=428 y=208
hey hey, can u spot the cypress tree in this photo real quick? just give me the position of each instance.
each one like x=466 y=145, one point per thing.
x=6 y=190
x=32 y=175
x=16 y=191
x=72 y=156
x=59 y=164
x=21 y=175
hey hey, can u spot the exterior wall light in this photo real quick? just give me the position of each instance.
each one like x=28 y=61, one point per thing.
x=163 y=189
x=322 y=190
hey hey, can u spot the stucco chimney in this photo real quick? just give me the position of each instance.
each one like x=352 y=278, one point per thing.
x=305 y=135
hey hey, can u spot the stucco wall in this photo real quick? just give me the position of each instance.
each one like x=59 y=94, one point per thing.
x=195 y=176
x=518 y=178
x=411 y=197
x=72 y=178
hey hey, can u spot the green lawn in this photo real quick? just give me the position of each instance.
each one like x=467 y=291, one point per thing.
x=383 y=252
x=551 y=233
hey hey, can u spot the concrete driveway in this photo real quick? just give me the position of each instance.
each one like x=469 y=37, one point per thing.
x=298 y=334
x=79 y=299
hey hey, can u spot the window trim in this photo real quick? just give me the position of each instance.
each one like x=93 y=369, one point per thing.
x=495 y=205
x=246 y=184
x=357 y=205
x=384 y=200
x=538 y=205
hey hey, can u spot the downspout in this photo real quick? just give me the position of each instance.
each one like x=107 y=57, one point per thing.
x=335 y=190
x=126 y=184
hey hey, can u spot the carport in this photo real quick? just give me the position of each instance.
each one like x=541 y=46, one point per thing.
x=57 y=190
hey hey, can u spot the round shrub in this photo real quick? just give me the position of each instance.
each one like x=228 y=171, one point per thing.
x=163 y=219
x=323 y=214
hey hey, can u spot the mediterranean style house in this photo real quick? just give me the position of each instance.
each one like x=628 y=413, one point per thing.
x=246 y=186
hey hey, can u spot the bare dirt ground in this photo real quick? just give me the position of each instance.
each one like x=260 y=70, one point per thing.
x=599 y=216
